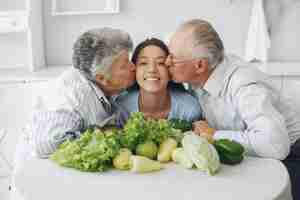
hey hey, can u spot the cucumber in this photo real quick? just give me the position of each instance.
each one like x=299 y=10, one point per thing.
x=230 y=159
x=229 y=146
x=230 y=152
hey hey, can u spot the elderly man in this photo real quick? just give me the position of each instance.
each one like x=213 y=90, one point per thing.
x=238 y=101
x=101 y=69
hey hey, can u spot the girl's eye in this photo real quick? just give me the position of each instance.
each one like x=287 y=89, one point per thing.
x=142 y=63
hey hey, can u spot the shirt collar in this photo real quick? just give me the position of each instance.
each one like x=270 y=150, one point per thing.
x=220 y=75
x=99 y=92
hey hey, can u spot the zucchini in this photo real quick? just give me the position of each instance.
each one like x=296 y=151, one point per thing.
x=229 y=146
x=230 y=152
x=230 y=159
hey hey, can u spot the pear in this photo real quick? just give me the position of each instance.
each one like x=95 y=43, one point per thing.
x=147 y=149
x=122 y=160
x=165 y=150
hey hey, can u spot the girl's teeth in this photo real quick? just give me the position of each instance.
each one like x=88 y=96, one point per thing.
x=151 y=79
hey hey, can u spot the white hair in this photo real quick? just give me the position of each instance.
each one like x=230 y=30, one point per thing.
x=205 y=41
x=95 y=50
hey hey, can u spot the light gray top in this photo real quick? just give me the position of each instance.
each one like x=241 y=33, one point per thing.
x=243 y=104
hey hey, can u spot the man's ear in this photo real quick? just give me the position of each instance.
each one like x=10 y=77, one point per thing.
x=201 y=66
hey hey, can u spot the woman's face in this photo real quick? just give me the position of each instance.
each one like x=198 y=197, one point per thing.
x=152 y=74
x=122 y=71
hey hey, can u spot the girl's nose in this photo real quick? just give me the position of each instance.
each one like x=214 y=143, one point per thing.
x=152 y=66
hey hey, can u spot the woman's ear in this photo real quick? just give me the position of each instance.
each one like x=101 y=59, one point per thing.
x=201 y=66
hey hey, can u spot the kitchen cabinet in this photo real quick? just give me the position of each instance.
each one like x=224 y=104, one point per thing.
x=21 y=36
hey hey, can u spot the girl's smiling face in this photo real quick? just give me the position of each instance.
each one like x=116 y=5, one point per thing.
x=152 y=74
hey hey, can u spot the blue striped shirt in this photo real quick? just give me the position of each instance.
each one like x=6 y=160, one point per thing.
x=73 y=104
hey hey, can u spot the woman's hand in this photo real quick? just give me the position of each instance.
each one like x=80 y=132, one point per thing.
x=202 y=128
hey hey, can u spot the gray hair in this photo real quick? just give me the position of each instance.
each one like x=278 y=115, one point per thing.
x=95 y=50
x=205 y=36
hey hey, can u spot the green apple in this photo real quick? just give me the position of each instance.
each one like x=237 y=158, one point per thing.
x=148 y=149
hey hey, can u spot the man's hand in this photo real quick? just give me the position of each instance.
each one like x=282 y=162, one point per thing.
x=202 y=128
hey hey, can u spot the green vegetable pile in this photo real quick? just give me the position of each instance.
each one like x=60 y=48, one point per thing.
x=100 y=150
x=92 y=152
x=143 y=145
x=138 y=130
x=181 y=124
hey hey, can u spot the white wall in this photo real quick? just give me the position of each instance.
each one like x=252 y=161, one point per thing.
x=144 y=18
x=12 y=46
x=285 y=40
x=12 y=5
x=13 y=50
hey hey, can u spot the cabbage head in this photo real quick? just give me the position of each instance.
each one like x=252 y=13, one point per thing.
x=201 y=152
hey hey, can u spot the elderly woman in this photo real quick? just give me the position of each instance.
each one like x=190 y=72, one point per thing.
x=81 y=95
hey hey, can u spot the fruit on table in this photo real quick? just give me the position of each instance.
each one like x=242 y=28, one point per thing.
x=165 y=149
x=230 y=152
x=201 y=152
x=122 y=160
x=148 y=149
x=210 y=131
x=181 y=157
x=141 y=164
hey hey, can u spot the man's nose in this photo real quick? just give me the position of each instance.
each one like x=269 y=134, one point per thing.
x=132 y=66
x=168 y=61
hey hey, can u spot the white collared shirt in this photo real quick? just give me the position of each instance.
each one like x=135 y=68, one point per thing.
x=243 y=104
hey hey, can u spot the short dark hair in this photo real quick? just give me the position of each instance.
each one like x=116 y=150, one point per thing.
x=158 y=43
x=148 y=42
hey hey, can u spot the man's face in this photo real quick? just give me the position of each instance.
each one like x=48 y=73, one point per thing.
x=122 y=71
x=180 y=62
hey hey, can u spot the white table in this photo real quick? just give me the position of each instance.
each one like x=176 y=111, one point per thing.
x=5 y=166
x=254 y=179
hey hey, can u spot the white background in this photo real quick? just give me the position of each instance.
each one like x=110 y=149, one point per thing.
x=144 y=18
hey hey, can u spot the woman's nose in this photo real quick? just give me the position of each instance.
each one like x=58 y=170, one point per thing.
x=152 y=66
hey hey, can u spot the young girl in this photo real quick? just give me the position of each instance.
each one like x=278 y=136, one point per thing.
x=154 y=94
